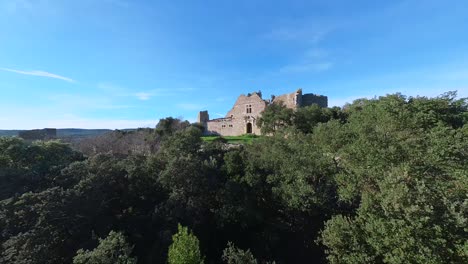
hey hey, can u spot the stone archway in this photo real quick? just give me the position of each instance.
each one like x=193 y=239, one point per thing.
x=249 y=128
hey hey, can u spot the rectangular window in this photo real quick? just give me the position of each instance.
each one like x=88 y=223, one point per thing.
x=248 y=109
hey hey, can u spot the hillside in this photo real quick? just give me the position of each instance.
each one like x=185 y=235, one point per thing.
x=64 y=132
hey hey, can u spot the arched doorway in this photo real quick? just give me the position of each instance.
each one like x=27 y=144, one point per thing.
x=249 y=128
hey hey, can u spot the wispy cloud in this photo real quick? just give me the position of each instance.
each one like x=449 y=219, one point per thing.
x=307 y=31
x=111 y=88
x=143 y=96
x=77 y=101
x=77 y=122
x=306 y=68
x=52 y=115
x=189 y=106
x=222 y=99
x=307 y=34
x=146 y=95
x=40 y=73
x=96 y=123
x=315 y=53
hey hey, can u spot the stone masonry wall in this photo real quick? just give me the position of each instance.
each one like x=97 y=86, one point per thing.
x=245 y=111
x=244 y=115
x=291 y=100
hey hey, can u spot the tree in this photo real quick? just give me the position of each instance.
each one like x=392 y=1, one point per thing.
x=28 y=166
x=234 y=255
x=306 y=118
x=114 y=249
x=402 y=167
x=169 y=125
x=274 y=117
x=185 y=248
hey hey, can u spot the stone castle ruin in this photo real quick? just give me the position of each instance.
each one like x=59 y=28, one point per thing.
x=243 y=117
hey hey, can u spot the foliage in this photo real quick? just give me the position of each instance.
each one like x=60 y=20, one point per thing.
x=233 y=255
x=378 y=181
x=168 y=126
x=185 y=248
x=142 y=141
x=403 y=166
x=113 y=249
x=31 y=166
x=277 y=117
x=274 y=118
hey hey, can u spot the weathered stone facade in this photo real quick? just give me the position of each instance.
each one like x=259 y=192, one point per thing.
x=244 y=115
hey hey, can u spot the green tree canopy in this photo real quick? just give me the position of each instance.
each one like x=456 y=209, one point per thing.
x=114 y=249
x=185 y=248
x=234 y=255
x=274 y=117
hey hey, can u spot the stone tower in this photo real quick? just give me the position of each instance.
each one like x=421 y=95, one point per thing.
x=203 y=117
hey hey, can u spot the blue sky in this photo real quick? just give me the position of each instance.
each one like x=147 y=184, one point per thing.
x=122 y=63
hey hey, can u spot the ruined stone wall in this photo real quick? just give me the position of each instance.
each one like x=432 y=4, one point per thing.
x=309 y=99
x=244 y=115
x=291 y=100
x=245 y=111
x=203 y=117
x=225 y=127
x=240 y=107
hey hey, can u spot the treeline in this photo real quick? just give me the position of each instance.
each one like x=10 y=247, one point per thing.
x=377 y=181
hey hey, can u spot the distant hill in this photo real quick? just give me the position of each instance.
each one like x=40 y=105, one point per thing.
x=77 y=132
x=65 y=132
x=9 y=133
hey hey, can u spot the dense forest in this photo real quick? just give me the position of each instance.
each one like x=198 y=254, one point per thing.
x=383 y=180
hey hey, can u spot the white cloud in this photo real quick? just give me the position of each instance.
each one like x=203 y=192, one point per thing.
x=189 y=106
x=99 y=123
x=39 y=73
x=111 y=88
x=146 y=95
x=75 y=122
x=221 y=99
x=78 y=102
x=306 y=30
x=306 y=67
x=297 y=33
x=143 y=96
